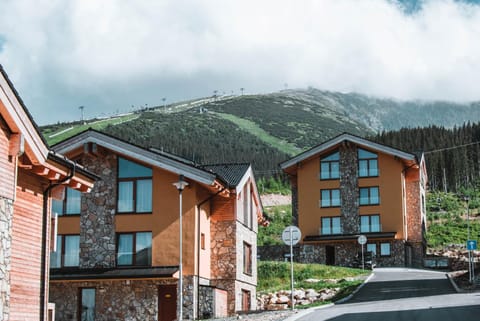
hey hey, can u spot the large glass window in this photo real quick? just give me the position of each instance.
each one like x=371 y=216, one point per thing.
x=134 y=249
x=134 y=187
x=331 y=225
x=367 y=163
x=330 y=166
x=330 y=197
x=369 y=196
x=372 y=247
x=369 y=223
x=87 y=302
x=70 y=205
x=68 y=252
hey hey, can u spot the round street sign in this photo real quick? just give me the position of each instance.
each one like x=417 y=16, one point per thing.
x=295 y=235
x=362 y=239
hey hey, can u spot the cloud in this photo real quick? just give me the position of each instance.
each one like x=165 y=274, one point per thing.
x=109 y=55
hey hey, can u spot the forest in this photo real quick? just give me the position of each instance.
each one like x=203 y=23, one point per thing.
x=452 y=155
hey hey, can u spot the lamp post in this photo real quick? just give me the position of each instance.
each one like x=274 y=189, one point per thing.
x=470 y=276
x=180 y=185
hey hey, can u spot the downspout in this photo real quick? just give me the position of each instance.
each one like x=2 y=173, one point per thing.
x=199 y=206
x=43 y=272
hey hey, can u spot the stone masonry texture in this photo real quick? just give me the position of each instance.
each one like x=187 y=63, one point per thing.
x=6 y=213
x=349 y=189
x=97 y=222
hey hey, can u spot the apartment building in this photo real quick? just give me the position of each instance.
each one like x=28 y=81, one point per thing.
x=350 y=186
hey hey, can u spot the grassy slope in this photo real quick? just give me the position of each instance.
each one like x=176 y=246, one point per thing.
x=54 y=134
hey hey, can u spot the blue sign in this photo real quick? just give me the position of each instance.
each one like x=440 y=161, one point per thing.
x=471 y=245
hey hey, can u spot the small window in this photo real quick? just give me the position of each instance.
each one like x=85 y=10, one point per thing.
x=331 y=225
x=330 y=198
x=247 y=258
x=134 y=249
x=385 y=249
x=367 y=163
x=70 y=205
x=372 y=247
x=369 y=196
x=202 y=241
x=134 y=187
x=245 y=300
x=87 y=304
x=369 y=223
x=68 y=252
x=330 y=166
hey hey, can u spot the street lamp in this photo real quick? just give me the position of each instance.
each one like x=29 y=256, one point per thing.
x=180 y=185
x=470 y=265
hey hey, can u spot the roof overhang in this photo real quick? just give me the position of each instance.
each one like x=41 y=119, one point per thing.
x=77 y=274
x=408 y=158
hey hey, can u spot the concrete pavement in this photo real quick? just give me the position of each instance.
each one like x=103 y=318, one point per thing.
x=402 y=294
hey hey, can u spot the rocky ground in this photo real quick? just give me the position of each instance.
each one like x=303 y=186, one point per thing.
x=275 y=199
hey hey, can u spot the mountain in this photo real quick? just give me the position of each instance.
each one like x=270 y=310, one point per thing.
x=265 y=129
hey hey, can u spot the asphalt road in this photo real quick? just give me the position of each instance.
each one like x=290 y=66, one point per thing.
x=403 y=295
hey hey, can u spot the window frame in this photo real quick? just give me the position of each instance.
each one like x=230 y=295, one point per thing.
x=62 y=239
x=80 y=302
x=330 y=219
x=368 y=161
x=370 y=216
x=389 y=249
x=66 y=201
x=330 y=192
x=369 y=188
x=329 y=165
x=134 y=249
x=134 y=180
x=247 y=259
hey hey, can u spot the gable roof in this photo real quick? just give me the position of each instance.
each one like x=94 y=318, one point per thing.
x=350 y=138
x=152 y=157
x=232 y=174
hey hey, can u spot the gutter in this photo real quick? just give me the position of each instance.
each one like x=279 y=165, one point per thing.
x=43 y=273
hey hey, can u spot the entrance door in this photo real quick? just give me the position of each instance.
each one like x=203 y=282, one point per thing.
x=167 y=302
x=329 y=255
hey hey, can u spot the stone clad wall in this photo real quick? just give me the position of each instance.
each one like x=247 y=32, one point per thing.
x=97 y=222
x=6 y=213
x=349 y=189
x=128 y=300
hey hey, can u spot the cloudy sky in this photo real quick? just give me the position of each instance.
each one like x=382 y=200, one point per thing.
x=111 y=55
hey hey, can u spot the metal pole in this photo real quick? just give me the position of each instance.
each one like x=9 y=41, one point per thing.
x=180 y=268
x=291 y=267
x=363 y=259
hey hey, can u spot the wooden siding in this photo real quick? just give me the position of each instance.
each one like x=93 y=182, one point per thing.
x=7 y=167
x=26 y=252
x=223 y=209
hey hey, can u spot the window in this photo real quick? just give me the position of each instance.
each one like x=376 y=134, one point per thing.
x=202 y=241
x=331 y=225
x=134 y=249
x=369 y=223
x=245 y=300
x=68 y=252
x=247 y=258
x=330 y=166
x=367 y=163
x=372 y=247
x=87 y=304
x=134 y=187
x=385 y=249
x=70 y=205
x=369 y=196
x=247 y=206
x=330 y=197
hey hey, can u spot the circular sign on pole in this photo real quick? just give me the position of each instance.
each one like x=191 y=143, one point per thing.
x=291 y=235
x=362 y=239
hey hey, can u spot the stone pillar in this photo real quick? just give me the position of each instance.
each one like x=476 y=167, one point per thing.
x=6 y=215
x=97 y=221
x=349 y=191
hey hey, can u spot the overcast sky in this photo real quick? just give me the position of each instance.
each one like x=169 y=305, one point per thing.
x=111 y=55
